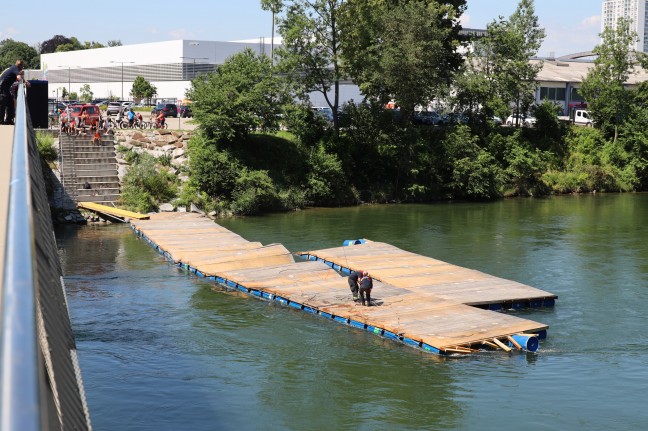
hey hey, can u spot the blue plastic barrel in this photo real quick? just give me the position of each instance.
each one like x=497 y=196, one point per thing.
x=353 y=242
x=529 y=343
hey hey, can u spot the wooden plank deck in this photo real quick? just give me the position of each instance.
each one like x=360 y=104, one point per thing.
x=425 y=275
x=406 y=308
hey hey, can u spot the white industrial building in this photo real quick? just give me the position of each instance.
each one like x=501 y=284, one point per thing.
x=633 y=10
x=169 y=66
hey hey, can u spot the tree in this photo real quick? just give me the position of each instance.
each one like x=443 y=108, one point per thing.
x=241 y=96
x=508 y=47
x=86 y=93
x=603 y=87
x=311 y=47
x=112 y=43
x=10 y=51
x=405 y=51
x=273 y=6
x=49 y=46
x=142 y=89
x=72 y=45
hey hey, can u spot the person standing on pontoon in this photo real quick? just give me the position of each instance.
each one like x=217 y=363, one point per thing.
x=366 y=284
x=354 y=282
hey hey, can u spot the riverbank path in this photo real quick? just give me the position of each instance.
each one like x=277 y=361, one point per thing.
x=6 y=144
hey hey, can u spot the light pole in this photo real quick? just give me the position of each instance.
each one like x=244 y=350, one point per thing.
x=69 y=68
x=122 y=74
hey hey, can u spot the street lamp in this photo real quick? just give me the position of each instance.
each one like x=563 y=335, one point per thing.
x=122 y=74
x=69 y=80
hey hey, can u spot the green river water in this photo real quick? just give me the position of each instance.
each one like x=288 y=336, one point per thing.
x=163 y=350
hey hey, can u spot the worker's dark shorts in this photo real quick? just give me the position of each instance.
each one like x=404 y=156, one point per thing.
x=353 y=285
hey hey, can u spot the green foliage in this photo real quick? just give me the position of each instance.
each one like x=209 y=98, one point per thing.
x=145 y=186
x=190 y=194
x=473 y=172
x=254 y=192
x=524 y=169
x=603 y=87
x=593 y=164
x=86 y=93
x=325 y=180
x=242 y=96
x=311 y=52
x=11 y=50
x=405 y=51
x=215 y=171
x=142 y=89
x=46 y=149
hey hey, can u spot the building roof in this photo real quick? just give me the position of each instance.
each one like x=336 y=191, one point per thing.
x=576 y=71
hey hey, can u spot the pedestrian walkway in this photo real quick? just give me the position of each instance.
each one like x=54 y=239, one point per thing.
x=6 y=144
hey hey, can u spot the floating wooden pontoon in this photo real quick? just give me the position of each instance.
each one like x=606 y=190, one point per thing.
x=413 y=299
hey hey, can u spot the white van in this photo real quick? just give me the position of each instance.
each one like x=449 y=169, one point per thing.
x=582 y=117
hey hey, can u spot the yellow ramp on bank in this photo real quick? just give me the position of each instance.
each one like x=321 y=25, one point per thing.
x=116 y=212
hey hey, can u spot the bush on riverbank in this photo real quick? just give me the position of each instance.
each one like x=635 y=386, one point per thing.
x=146 y=184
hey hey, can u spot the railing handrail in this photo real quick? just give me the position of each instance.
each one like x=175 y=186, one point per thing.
x=21 y=371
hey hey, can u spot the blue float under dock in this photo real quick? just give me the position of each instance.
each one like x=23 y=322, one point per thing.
x=414 y=313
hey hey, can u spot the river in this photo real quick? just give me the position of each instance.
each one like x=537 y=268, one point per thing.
x=163 y=350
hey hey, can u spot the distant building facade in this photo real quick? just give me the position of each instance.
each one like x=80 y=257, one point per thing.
x=633 y=10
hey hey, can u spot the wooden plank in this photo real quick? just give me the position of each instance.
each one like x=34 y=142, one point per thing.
x=104 y=209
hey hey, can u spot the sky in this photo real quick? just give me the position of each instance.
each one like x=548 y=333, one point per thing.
x=571 y=25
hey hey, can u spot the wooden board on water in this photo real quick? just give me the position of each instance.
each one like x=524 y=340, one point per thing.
x=414 y=296
x=423 y=274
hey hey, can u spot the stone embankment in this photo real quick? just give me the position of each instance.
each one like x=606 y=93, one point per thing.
x=157 y=143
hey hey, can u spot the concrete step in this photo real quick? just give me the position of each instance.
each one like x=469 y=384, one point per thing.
x=89 y=152
x=98 y=184
x=108 y=179
x=96 y=173
x=105 y=199
x=97 y=192
x=96 y=166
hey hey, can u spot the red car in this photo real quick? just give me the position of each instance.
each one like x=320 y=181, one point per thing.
x=76 y=111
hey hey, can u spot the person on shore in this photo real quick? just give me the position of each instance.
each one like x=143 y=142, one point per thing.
x=96 y=140
x=366 y=284
x=354 y=282
x=131 y=118
x=7 y=79
x=159 y=120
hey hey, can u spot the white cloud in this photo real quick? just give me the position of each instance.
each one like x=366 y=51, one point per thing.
x=8 y=33
x=591 y=21
x=465 y=20
x=181 y=33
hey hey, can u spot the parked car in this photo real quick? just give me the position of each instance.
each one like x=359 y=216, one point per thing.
x=94 y=113
x=114 y=108
x=497 y=120
x=169 y=109
x=524 y=120
x=325 y=112
x=185 y=112
x=428 y=118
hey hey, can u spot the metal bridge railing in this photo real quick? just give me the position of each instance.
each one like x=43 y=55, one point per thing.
x=40 y=379
x=21 y=368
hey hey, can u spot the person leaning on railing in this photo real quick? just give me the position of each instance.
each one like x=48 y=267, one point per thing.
x=7 y=79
